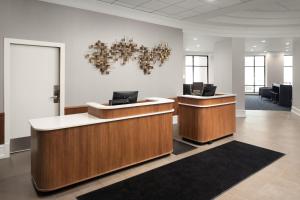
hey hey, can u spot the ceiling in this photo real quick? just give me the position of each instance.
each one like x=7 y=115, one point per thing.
x=249 y=13
x=222 y=18
x=265 y=45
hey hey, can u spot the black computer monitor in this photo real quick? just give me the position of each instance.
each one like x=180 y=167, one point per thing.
x=209 y=90
x=124 y=97
x=187 y=89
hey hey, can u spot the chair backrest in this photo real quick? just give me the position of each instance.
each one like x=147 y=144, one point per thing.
x=187 y=89
x=285 y=95
x=209 y=91
x=198 y=85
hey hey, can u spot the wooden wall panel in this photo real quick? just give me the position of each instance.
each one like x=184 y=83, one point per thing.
x=66 y=156
x=204 y=102
x=76 y=109
x=1 y=128
x=130 y=111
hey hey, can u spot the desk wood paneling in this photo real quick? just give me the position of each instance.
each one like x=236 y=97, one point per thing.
x=206 y=120
x=64 y=156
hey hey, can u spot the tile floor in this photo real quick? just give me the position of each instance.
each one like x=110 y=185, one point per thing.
x=278 y=131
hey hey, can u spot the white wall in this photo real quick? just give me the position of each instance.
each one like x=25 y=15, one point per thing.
x=274 y=68
x=296 y=76
x=222 y=65
x=238 y=73
x=35 y=20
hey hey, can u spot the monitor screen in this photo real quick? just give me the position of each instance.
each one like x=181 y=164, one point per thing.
x=128 y=96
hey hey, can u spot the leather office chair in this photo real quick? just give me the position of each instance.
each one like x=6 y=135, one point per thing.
x=198 y=88
x=285 y=95
x=187 y=89
x=265 y=92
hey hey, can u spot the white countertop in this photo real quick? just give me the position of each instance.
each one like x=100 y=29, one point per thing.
x=82 y=119
x=150 y=101
x=208 y=97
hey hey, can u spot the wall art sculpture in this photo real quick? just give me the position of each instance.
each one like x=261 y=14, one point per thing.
x=102 y=56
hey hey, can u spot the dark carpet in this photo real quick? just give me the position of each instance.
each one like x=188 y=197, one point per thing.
x=254 y=102
x=198 y=177
x=180 y=147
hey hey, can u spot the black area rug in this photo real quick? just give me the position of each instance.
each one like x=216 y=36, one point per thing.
x=180 y=147
x=198 y=177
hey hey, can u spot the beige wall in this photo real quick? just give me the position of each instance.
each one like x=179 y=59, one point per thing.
x=34 y=20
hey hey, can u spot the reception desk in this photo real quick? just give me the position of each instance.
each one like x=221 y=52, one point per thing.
x=73 y=148
x=204 y=119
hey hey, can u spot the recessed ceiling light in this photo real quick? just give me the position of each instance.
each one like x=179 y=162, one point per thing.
x=198 y=45
x=286 y=50
x=265 y=51
x=210 y=1
x=287 y=43
x=263 y=41
x=254 y=46
x=187 y=49
x=251 y=49
x=195 y=38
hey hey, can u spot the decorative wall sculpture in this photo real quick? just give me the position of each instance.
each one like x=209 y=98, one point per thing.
x=100 y=56
x=124 y=50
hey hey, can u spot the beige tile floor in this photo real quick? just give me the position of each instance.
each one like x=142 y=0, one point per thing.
x=278 y=131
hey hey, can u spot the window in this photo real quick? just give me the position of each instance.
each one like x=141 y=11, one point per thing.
x=196 y=69
x=254 y=73
x=288 y=70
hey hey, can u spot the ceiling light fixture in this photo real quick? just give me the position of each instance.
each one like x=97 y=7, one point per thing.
x=198 y=45
x=187 y=49
x=254 y=46
x=195 y=38
x=251 y=49
x=263 y=41
x=287 y=43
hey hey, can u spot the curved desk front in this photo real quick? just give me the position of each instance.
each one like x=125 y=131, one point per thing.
x=73 y=148
x=204 y=119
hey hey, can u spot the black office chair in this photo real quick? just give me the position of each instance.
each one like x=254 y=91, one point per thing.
x=187 y=89
x=209 y=91
x=285 y=95
x=198 y=88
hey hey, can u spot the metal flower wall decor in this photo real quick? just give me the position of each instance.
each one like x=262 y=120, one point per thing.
x=101 y=56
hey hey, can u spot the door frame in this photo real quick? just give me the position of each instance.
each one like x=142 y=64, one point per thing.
x=7 y=45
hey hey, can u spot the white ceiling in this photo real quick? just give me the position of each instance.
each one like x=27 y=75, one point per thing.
x=225 y=18
x=265 y=45
x=259 y=13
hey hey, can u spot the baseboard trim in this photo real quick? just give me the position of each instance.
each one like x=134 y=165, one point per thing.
x=296 y=110
x=4 y=151
x=240 y=113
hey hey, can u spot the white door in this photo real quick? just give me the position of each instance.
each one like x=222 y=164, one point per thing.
x=34 y=72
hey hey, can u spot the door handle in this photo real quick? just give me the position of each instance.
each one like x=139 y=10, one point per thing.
x=56 y=94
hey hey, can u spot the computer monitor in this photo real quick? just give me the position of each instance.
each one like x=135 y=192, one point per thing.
x=124 y=97
x=209 y=90
x=187 y=89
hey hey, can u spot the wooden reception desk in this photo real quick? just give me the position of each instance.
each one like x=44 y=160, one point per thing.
x=73 y=148
x=204 y=119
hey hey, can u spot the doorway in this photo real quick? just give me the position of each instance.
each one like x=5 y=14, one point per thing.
x=33 y=87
